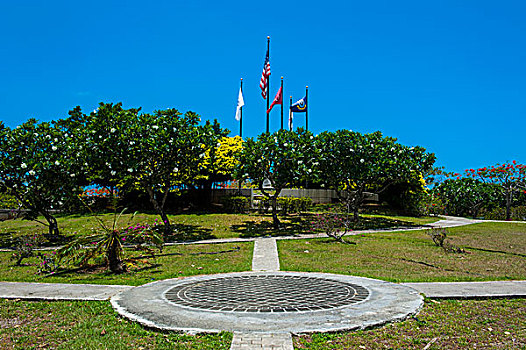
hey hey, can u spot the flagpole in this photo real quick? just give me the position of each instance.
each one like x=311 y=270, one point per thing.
x=241 y=113
x=281 y=103
x=268 y=82
x=290 y=112
x=307 y=109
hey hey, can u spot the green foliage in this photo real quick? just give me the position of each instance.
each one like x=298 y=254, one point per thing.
x=353 y=163
x=8 y=201
x=466 y=196
x=517 y=213
x=235 y=204
x=289 y=205
x=24 y=248
x=284 y=158
x=108 y=243
x=40 y=168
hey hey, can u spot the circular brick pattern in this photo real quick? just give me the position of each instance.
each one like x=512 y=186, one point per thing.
x=266 y=293
x=267 y=302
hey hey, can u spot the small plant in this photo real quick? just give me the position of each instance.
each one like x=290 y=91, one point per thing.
x=48 y=262
x=109 y=244
x=335 y=225
x=24 y=248
x=439 y=237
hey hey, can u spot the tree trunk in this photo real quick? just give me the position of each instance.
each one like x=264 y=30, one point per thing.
x=275 y=220
x=53 y=232
x=159 y=209
x=508 y=204
x=114 y=262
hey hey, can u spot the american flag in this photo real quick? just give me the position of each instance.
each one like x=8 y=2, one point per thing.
x=263 y=84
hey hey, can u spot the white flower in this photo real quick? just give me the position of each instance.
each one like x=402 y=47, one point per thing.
x=31 y=172
x=48 y=137
x=176 y=169
x=362 y=160
x=54 y=148
x=57 y=162
x=112 y=130
x=392 y=148
x=113 y=172
x=132 y=142
x=55 y=139
x=155 y=127
x=23 y=165
x=130 y=170
x=72 y=175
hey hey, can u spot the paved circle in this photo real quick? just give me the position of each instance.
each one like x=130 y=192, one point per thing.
x=266 y=293
x=280 y=301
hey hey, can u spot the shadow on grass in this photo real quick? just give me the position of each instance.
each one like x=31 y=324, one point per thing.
x=290 y=226
x=183 y=233
x=376 y=223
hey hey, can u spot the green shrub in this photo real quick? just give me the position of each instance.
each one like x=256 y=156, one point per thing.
x=263 y=205
x=517 y=214
x=235 y=204
x=7 y=201
x=291 y=205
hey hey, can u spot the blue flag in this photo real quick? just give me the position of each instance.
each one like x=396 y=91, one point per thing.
x=300 y=106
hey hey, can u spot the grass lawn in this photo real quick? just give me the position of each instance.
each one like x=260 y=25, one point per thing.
x=174 y=261
x=191 y=227
x=87 y=325
x=448 y=324
x=494 y=251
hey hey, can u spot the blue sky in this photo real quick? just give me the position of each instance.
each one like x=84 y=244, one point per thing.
x=447 y=75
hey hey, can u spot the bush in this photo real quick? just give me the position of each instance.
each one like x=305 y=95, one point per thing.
x=7 y=201
x=235 y=204
x=24 y=248
x=291 y=205
x=517 y=214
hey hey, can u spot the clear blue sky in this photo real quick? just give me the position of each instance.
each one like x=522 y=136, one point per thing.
x=446 y=75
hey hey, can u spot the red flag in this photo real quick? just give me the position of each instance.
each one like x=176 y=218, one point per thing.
x=278 y=100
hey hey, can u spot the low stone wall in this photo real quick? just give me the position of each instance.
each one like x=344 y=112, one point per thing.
x=318 y=196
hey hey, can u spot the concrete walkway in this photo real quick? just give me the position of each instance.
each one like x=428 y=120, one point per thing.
x=265 y=259
x=59 y=291
x=265 y=256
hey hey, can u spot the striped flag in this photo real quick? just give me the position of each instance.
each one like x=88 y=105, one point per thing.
x=264 y=77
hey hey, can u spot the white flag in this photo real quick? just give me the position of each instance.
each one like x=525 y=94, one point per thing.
x=240 y=103
x=290 y=119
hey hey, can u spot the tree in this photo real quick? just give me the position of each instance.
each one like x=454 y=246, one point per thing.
x=38 y=167
x=509 y=177
x=466 y=196
x=352 y=163
x=157 y=153
x=282 y=158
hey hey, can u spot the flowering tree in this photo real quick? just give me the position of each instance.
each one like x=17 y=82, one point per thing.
x=509 y=177
x=465 y=196
x=38 y=167
x=157 y=153
x=353 y=163
x=283 y=158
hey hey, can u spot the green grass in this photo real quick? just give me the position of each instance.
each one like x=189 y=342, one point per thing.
x=87 y=325
x=448 y=324
x=178 y=260
x=191 y=227
x=495 y=251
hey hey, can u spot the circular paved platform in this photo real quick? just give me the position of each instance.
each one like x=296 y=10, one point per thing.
x=267 y=302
